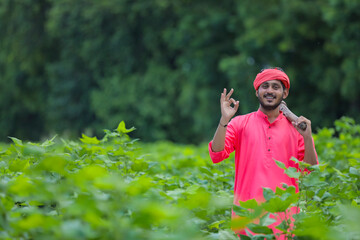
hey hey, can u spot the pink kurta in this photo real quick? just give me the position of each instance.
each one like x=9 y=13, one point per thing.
x=257 y=142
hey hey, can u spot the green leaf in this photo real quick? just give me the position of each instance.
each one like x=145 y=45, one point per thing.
x=76 y=229
x=17 y=142
x=54 y=163
x=312 y=225
x=276 y=204
x=216 y=224
x=266 y=220
x=21 y=186
x=244 y=237
x=19 y=165
x=139 y=166
x=7 y=203
x=290 y=190
x=89 y=140
x=122 y=129
x=313 y=179
x=48 y=143
x=33 y=150
x=207 y=171
x=192 y=189
x=256 y=228
x=354 y=172
x=279 y=191
x=295 y=160
x=90 y=172
x=280 y=164
x=249 y=204
x=339 y=172
x=32 y=221
x=283 y=226
x=227 y=235
x=354 y=203
x=239 y=223
x=292 y=172
x=268 y=193
x=240 y=211
x=267 y=236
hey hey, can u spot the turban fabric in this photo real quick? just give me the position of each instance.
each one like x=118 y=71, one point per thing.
x=271 y=74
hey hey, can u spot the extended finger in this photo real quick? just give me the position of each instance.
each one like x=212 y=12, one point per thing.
x=236 y=106
x=229 y=94
x=223 y=94
x=232 y=101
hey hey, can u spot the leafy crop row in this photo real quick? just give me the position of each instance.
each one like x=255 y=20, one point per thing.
x=118 y=188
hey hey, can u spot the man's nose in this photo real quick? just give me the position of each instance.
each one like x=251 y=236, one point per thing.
x=270 y=90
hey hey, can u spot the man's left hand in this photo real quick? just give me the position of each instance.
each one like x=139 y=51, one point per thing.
x=307 y=132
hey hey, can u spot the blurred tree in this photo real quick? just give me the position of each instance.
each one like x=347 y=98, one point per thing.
x=181 y=43
x=343 y=51
x=23 y=49
x=160 y=65
x=75 y=29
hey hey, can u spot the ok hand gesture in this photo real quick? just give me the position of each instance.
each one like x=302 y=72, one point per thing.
x=227 y=111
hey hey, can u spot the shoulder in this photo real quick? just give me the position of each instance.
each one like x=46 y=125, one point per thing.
x=241 y=120
x=291 y=130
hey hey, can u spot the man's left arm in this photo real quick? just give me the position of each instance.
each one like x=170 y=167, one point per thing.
x=310 y=154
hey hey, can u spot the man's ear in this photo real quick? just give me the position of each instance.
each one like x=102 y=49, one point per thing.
x=285 y=93
x=257 y=93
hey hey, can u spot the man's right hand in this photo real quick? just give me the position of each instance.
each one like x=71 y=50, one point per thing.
x=227 y=111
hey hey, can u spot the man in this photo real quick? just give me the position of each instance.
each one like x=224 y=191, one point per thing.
x=260 y=137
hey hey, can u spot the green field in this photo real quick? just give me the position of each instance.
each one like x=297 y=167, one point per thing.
x=115 y=187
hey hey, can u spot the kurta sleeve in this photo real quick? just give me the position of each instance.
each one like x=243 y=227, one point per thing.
x=301 y=149
x=230 y=139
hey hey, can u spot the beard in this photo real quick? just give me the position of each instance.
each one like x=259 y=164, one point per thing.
x=269 y=107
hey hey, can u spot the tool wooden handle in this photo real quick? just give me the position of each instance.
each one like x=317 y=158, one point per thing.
x=291 y=116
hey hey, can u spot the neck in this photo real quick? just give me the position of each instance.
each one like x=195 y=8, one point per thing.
x=271 y=114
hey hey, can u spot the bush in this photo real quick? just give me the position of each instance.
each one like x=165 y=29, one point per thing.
x=118 y=188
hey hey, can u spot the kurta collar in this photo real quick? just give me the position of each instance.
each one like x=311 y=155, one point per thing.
x=262 y=115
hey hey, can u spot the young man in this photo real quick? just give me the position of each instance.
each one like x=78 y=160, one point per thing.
x=260 y=137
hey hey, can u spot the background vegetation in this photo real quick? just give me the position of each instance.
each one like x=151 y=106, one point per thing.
x=117 y=188
x=160 y=65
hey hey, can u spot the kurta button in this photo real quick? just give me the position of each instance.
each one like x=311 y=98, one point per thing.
x=269 y=137
x=269 y=150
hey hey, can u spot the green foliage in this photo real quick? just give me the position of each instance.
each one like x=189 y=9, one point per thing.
x=117 y=188
x=108 y=188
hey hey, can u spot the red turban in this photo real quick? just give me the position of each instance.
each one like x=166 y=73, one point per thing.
x=271 y=74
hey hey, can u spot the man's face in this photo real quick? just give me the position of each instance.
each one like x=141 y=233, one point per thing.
x=270 y=94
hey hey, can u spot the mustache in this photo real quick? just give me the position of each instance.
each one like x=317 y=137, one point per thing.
x=269 y=95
